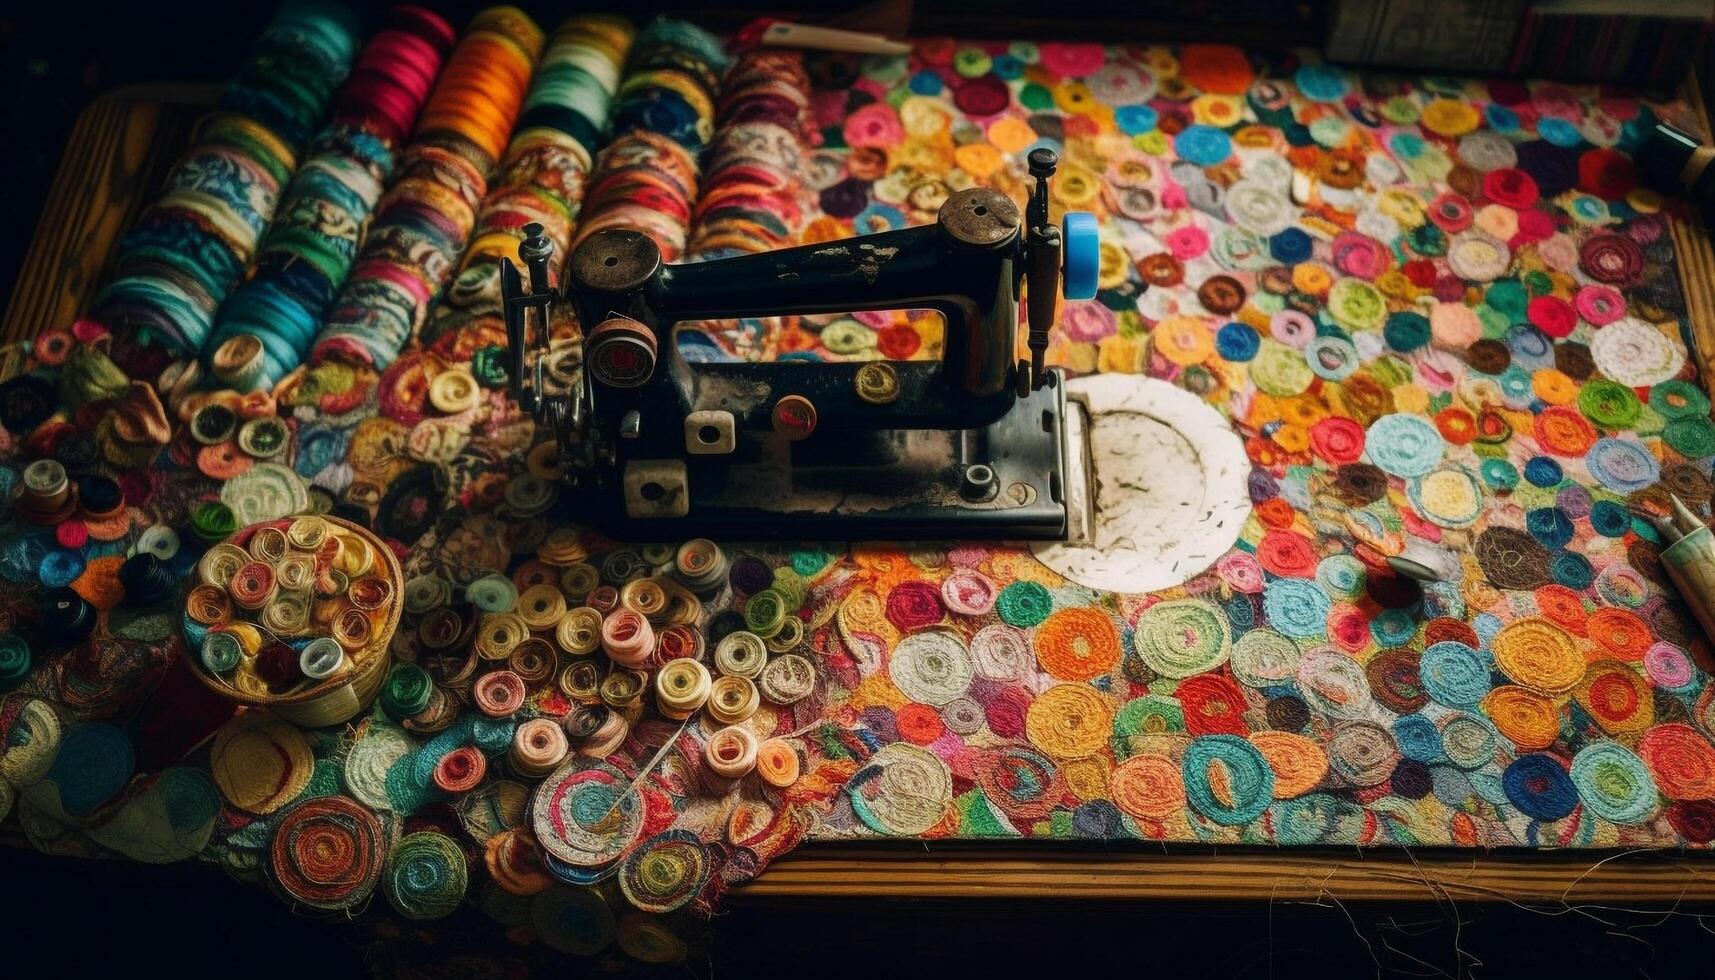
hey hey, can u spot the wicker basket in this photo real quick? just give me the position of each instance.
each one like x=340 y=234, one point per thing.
x=341 y=698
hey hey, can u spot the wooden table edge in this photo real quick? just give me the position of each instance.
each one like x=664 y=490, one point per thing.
x=1052 y=870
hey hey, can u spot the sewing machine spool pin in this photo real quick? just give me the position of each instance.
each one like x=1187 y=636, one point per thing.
x=969 y=447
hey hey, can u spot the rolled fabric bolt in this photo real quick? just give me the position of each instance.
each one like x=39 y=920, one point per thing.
x=353 y=628
x=538 y=746
x=606 y=739
x=731 y=752
x=644 y=596
x=461 y=770
x=221 y=652
x=533 y=661
x=252 y=585
x=542 y=606
x=296 y=573
x=267 y=545
x=627 y=637
x=732 y=699
x=676 y=642
x=321 y=658
x=582 y=721
x=219 y=564
x=741 y=653
x=603 y=599
x=492 y=593
x=407 y=691
x=623 y=690
x=207 y=604
x=579 y=632
x=777 y=763
x=701 y=565
x=499 y=693
x=681 y=688
x=370 y=593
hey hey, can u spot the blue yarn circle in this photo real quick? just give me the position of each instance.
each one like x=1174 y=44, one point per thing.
x=1500 y=118
x=1290 y=246
x=1135 y=120
x=1393 y=628
x=925 y=83
x=1418 y=738
x=1558 y=131
x=1550 y=525
x=1498 y=474
x=1320 y=82
x=1542 y=471
x=1250 y=779
x=1609 y=519
x=1454 y=674
x=1572 y=570
x=1406 y=331
x=1296 y=607
x=1237 y=342
x=1539 y=787
x=1404 y=445
x=1621 y=465
x=1203 y=145
x=94 y=763
x=60 y=567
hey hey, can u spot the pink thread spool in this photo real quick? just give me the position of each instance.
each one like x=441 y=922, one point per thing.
x=628 y=638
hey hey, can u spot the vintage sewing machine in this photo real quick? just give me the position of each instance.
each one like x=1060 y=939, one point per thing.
x=974 y=446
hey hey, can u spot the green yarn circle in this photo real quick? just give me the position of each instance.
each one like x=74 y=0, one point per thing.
x=407 y=691
x=1182 y=637
x=1609 y=403
x=426 y=876
x=765 y=612
x=1676 y=399
x=213 y=521
x=1693 y=438
x=1024 y=603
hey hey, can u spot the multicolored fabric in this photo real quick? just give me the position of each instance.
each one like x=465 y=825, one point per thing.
x=1441 y=315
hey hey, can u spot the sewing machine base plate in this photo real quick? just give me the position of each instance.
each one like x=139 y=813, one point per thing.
x=853 y=484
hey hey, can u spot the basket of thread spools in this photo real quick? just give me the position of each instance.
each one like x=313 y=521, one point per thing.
x=295 y=615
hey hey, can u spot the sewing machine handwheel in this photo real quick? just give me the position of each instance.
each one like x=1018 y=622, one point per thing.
x=1082 y=260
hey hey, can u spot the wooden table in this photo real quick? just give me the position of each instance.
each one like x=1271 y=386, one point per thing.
x=118 y=155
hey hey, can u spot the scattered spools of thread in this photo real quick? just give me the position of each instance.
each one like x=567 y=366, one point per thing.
x=663 y=116
x=423 y=221
x=310 y=247
x=297 y=615
x=190 y=248
x=753 y=196
x=541 y=180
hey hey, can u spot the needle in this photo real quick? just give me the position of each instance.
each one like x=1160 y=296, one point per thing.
x=605 y=822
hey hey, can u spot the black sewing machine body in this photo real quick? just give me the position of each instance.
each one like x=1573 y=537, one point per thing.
x=970 y=446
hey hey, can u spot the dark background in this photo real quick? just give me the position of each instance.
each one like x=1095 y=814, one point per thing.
x=82 y=918
x=76 y=918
